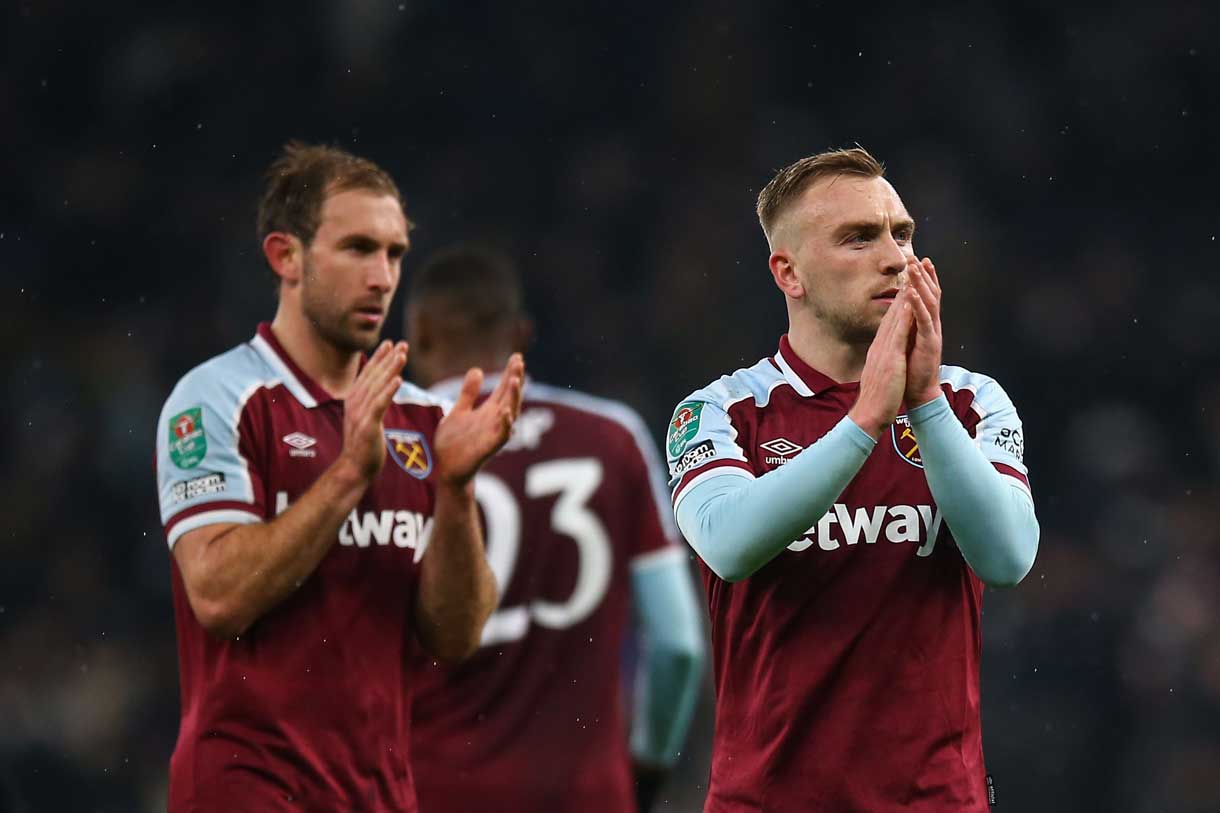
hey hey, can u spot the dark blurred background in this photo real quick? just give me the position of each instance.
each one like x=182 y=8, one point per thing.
x=1061 y=163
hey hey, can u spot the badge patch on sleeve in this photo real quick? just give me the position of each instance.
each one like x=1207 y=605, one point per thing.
x=210 y=483
x=694 y=456
x=410 y=451
x=904 y=441
x=1011 y=441
x=188 y=445
x=684 y=426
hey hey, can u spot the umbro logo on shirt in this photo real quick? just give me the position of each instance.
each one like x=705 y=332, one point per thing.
x=781 y=449
x=302 y=445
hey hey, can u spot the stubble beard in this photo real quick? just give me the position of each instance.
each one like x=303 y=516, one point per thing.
x=852 y=328
x=329 y=318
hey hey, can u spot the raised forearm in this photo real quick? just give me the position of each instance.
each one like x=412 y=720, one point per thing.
x=457 y=591
x=236 y=576
x=991 y=518
x=737 y=525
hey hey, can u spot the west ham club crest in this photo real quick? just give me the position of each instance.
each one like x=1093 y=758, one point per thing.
x=904 y=441
x=410 y=451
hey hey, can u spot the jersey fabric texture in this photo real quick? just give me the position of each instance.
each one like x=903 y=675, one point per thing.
x=309 y=709
x=847 y=668
x=534 y=720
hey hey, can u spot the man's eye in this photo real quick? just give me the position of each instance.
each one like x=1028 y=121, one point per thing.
x=903 y=235
x=859 y=238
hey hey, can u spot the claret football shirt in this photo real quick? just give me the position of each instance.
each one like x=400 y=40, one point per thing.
x=847 y=668
x=534 y=720
x=309 y=709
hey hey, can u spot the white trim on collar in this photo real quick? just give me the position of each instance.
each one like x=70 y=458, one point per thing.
x=795 y=380
x=290 y=381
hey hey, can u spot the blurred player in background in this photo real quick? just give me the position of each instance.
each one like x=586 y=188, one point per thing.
x=300 y=578
x=578 y=532
x=816 y=487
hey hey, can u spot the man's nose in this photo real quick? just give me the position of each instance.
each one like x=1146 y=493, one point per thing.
x=381 y=272
x=894 y=256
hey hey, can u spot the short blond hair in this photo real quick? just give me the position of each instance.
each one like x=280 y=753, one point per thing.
x=794 y=179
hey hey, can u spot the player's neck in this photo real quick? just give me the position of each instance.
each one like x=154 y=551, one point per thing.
x=823 y=350
x=333 y=369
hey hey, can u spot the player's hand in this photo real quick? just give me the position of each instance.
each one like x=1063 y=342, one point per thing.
x=883 y=380
x=365 y=406
x=467 y=437
x=923 y=360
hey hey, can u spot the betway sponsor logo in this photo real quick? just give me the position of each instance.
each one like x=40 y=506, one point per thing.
x=406 y=529
x=403 y=529
x=869 y=525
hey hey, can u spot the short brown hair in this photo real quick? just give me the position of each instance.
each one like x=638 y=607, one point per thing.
x=792 y=180
x=300 y=178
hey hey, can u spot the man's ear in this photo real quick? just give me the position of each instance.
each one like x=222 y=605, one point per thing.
x=286 y=255
x=784 y=272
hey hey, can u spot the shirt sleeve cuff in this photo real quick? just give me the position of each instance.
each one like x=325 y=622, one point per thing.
x=924 y=413
x=862 y=440
x=211 y=514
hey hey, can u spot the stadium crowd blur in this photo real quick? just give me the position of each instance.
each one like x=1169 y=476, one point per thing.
x=1061 y=165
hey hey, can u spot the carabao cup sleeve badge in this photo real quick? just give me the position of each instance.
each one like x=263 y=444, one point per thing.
x=410 y=451
x=684 y=426
x=188 y=445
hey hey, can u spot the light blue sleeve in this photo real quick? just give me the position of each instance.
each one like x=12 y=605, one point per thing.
x=738 y=524
x=673 y=657
x=701 y=433
x=201 y=472
x=991 y=515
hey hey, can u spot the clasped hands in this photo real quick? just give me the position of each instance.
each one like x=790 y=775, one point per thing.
x=903 y=362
